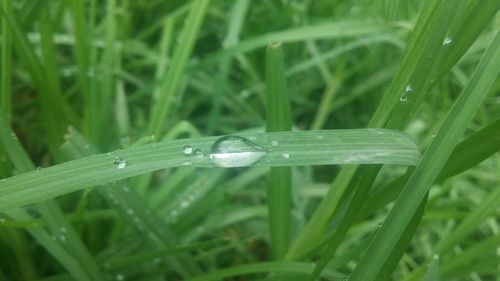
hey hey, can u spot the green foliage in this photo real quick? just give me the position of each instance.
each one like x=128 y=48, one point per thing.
x=249 y=140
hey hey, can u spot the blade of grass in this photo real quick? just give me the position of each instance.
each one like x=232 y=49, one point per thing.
x=434 y=15
x=296 y=267
x=69 y=249
x=470 y=152
x=368 y=146
x=432 y=162
x=6 y=66
x=171 y=81
x=278 y=118
x=237 y=17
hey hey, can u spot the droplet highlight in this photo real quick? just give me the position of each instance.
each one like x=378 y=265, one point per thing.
x=187 y=150
x=447 y=40
x=285 y=155
x=235 y=151
x=120 y=163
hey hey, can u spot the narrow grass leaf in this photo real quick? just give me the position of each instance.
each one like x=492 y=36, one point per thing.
x=278 y=118
x=364 y=146
x=431 y=164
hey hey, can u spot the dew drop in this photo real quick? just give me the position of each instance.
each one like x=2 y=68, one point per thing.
x=434 y=135
x=285 y=155
x=187 y=150
x=119 y=277
x=235 y=151
x=198 y=153
x=120 y=163
x=187 y=163
x=447 y=40
x=130 y=211
x=274 y=143
x=64 y=230
x=2 y=220
x=403 y=98
x=380 y=223
x=408 y=88
x=435 y=257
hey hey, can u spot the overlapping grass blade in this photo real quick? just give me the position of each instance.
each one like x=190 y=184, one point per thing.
x=278 y=118
x=62 y=242
x=416 y=63
x=432 y=162
x=296 y=267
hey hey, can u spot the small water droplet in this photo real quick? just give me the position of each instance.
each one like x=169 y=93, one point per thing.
x=14 y=136
x=120 y=163
x=198 y=153
x=187 y=163
x=130 y=211
x=274 y=143
x=2 y=220
x=119 y=277
x=187 y=150
x=435 y=257
x=62 y=238
x=235 y=151
x=408 y=88
x=63 y=230
x=126 y=188
x=434 y=135
x=380 y=223
x=403 y=98
x=447 y=40
x=285 y=155
x=184 y=204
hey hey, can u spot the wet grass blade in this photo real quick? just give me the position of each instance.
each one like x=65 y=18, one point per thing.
x=432 y=162
x=278 y=118
x=363 y=146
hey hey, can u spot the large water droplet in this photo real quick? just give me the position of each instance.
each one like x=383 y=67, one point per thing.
x=234 y=151
x=120 y=163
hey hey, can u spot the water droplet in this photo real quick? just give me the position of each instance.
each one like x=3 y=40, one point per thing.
x=447 y=40
x=198 y=153
x=2 y=220
x=274 y=143
x=187 y=150
x=14 y=136
x=285 y=155
x=130 y=211
x=234 y=151
x=120 y=163
x=435 y=257
x=434 y=135
x=126 y=188
x=63 y=230
x=380 y=223
x=184 y=204
x=408 y=88
x=187 y=163
x=62 y=238
x=119 y=277
x=403 y=98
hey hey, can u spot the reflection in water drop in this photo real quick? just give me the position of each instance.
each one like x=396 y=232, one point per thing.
x=120 y=163
x=235 y=151
x=447 y=40
x=187 y=150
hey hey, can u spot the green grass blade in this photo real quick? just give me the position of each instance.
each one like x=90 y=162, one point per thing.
x=432 y=273
x=467 y=154
x=171 y=82
x=6 y=66
x=364 y=146
x=69 y=249
x=432 y=162
x=279 y=179
x=296 y=267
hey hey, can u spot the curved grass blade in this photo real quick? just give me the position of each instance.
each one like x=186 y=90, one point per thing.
x=432 y=162
x=362 y=146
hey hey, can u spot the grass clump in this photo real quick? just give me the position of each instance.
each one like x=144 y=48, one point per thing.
x=178 y=141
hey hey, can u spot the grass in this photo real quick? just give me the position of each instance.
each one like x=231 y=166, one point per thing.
x=363 y=140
